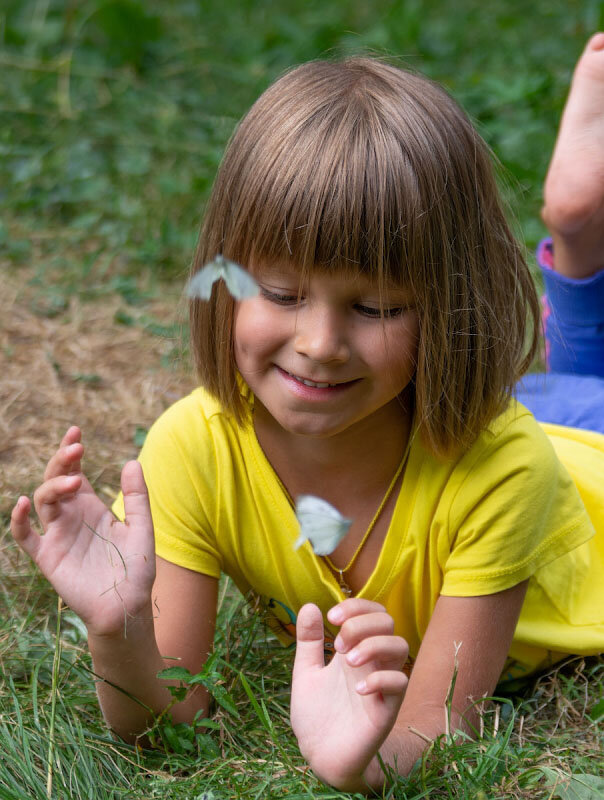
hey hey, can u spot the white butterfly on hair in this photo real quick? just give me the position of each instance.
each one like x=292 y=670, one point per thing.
x=238 y=281
x=320 y=523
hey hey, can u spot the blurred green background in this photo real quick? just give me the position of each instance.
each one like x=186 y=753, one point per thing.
x=115 y=113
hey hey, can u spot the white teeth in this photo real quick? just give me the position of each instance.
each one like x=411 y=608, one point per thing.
x=311 y=383
x=317 y=385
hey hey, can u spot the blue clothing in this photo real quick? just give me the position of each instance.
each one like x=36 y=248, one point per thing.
x=572 y=391
x=576 y=401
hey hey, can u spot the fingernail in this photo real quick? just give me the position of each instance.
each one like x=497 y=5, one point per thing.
x=354 y=656
x=361 y=686
x=335 y=615
x=339 y=644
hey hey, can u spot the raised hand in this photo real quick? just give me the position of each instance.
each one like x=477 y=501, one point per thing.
x=342 y=713
x=103 y=569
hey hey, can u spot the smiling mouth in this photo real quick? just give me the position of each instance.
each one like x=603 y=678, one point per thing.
x=315 y=384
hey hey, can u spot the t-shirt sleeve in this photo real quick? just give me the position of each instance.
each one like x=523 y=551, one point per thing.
x=515 y=509
x=178 y=462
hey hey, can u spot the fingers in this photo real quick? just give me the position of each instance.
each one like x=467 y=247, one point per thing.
x=67 y=459
x=390 y=652
x=21 y=528
x=136 y=498
x=73 y=434
x=367 y=635
x=310 y=638
x=61 y=481
x=355 y=629
x=49 y=496
x=352 y=607
x=388 y=683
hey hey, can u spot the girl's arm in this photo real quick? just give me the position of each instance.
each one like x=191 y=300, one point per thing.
x=340 y=729
x=483 y=628
x=137 y=609
x=177 y=631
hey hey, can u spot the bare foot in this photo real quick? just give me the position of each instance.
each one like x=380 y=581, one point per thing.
x=574 y=187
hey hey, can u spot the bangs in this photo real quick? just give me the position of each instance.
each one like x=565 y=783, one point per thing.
x=329 y=185
x=363 y=168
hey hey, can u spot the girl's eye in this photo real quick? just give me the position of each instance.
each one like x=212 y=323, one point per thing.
x=284 y=299
x=278 y=298
x=388 y=312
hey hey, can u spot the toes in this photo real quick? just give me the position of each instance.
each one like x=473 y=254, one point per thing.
x=596 y=42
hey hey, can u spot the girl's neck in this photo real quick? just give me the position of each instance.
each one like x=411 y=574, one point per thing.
x=366 y=454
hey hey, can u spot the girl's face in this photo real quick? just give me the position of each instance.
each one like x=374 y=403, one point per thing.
x=323 y=362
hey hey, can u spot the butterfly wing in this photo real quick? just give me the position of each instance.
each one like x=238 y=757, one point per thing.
x=201 y=283
x=320 y=523
x=239 y=282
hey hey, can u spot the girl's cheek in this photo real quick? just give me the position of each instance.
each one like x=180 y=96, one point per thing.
x=257 y=329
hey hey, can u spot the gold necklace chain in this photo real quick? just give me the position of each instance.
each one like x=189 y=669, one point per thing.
x=344 y=587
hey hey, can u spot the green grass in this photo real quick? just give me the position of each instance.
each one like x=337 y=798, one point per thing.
x=109 y=143
x=249 y=751
x=114 y=115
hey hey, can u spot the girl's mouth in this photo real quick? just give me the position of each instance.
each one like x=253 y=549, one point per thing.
x=315 y=384
x=307 y=382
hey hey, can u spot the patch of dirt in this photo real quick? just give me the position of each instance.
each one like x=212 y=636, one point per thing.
x=80 y=367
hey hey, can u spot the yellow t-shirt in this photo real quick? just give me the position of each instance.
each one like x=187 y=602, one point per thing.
x=504 y=511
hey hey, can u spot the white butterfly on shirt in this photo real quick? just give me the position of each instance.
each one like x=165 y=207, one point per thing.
x=320 y=523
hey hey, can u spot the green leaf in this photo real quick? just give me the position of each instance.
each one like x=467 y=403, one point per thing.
x=175 y=674
x=597 y=712
x=580 y=786
x=140 y=435
x=205 y=722
x=261 y=713
x=207 y=745
x=178 y=743
x=224 y=699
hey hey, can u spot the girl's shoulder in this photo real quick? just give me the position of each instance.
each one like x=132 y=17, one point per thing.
x=510 y=505
x=196 y=416
x=517 y=434
x=511 y=478
x=516 y=422
x=513 y=440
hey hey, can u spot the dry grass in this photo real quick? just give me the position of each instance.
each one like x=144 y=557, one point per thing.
x=79 y=367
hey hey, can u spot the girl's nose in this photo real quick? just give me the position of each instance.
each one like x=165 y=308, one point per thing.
x=321 y=336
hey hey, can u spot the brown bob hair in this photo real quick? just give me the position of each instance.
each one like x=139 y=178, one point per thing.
x=360 y=165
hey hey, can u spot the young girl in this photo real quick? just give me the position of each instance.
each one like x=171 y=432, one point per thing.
x=373 y=370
